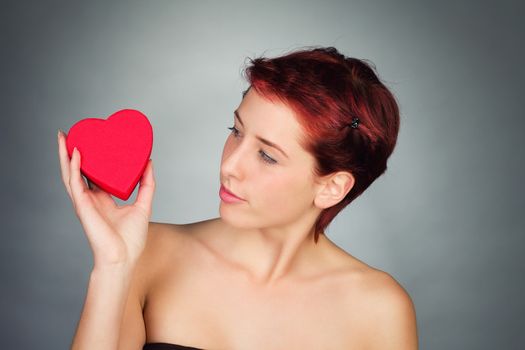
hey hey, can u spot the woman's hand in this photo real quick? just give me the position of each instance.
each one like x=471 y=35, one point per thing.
x=117 y=235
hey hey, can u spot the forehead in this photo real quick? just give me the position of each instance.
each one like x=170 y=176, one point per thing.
x=272 y=120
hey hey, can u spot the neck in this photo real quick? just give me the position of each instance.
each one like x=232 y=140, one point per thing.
x=267 y=255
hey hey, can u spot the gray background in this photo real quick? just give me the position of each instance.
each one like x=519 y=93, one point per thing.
x=446 y=220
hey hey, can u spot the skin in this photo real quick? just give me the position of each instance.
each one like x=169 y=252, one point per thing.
x=253 y=278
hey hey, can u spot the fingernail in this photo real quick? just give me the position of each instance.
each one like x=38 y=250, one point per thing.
x=58 y=133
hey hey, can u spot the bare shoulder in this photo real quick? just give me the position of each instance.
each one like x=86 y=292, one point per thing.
x=154 y=261
x=387 y=299
x=168 y=240
x=159 y=243
x=162 y=243
x=385 y=308
x=166 y=244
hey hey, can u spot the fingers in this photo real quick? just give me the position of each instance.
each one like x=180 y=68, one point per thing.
x=76 y=187
x=101 y=196
x=64 y=161
x=76 y=183
x=146 y=189
x=70 y=170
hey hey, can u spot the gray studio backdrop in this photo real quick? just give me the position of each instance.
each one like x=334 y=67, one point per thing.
x=446 y=220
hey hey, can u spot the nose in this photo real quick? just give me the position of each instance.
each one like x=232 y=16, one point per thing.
x=232 y=164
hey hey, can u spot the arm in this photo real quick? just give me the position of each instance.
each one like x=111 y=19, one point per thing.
x=112 y=317
x=117 y=236
x=102 y=314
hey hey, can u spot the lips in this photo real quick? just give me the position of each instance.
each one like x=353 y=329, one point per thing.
x=230 y=192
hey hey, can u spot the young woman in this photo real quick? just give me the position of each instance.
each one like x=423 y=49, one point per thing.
x=312 y=132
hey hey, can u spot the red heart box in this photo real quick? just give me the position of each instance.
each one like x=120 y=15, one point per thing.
x=114 y=151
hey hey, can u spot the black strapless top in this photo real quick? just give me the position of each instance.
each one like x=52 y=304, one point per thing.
x=167 y=346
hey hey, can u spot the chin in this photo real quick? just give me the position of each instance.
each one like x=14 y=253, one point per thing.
x=232 y=216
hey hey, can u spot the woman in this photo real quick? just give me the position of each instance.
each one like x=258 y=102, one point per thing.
x=312 y=132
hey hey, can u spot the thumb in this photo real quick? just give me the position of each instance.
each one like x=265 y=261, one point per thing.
x=146 y=189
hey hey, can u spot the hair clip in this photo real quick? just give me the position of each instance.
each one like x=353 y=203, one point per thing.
x=355 y=123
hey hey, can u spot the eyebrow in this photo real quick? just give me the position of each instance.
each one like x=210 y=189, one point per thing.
x=266 y=142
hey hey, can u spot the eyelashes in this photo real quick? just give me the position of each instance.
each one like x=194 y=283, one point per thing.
x=234 y=131
x=266 y=158
x=263 y=156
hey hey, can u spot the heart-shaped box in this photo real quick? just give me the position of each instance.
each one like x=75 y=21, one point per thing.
x=115 y=151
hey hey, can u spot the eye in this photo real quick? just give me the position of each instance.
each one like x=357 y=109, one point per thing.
x=267 y=158
x=264 y=157
x=234 y=131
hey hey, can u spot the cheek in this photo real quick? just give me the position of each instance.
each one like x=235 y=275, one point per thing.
x=281 y=192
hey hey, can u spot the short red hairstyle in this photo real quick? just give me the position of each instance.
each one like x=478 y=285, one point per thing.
x=327 y=90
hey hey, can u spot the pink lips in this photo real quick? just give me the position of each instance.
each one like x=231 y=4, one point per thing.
x=228 y=197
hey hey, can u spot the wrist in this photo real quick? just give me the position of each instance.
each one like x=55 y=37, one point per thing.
x=121 y=269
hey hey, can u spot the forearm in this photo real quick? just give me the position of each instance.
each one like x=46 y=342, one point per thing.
x=101 y=317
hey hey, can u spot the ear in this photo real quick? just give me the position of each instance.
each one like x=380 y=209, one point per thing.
x=333 y=188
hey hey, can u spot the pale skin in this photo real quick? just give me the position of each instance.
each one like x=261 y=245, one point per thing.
x=252 y=278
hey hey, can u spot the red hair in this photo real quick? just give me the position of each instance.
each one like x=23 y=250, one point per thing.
x=326 y=90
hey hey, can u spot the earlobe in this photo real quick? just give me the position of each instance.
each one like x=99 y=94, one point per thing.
x=333 y=189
